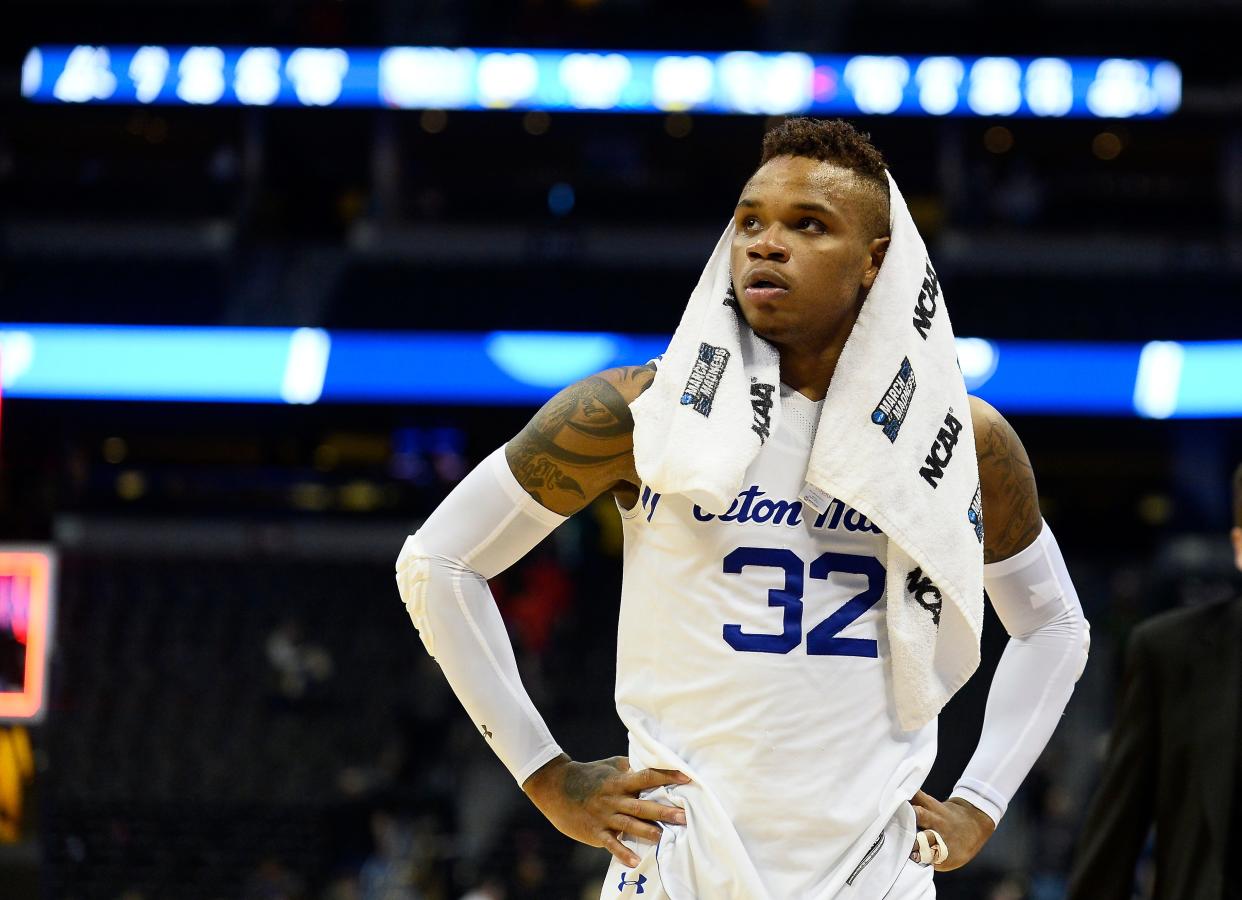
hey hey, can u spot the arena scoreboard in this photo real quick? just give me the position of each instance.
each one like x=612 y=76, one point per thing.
x=740 y=82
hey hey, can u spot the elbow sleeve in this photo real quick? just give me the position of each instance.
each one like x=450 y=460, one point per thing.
x=485 y=525
x=1047 y=652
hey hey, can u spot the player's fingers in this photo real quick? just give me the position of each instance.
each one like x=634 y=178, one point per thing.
x=930 y=848
x=655 y=812
x=928 y=817
x=922 y=798
x=920 y=815
x=613 y=845
x=632 y=827
x=653 y=778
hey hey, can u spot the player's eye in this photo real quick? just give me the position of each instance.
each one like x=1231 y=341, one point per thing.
x=813 y=224
x=749 y=221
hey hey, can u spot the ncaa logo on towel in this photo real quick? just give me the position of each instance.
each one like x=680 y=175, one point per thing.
x=925 y=593
x=638 y=883
x=705 y=378
x=941 y=452
x=974 y=515
x=761 y=408
x=893 y=406
x=927 y=303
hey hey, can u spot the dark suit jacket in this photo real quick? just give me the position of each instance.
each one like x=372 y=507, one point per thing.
x=1172 y=761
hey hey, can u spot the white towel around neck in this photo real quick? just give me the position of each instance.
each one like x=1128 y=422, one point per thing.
x=894 y=441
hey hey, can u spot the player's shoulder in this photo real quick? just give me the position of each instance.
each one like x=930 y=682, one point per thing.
x=997 y=444
x=628 y=381
x=984 y=416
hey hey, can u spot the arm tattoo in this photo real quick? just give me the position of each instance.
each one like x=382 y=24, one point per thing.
x=1010 y=499
x=582 y=435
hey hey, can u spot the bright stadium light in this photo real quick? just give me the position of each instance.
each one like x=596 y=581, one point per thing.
x=770 y=84
x=995 y=86
x=201 y=75
x=148 y=70
x=1166 y=80
x=1122 y=88
x=878 y=82
x=595 y=80
x=681 y=82
x=1159 y=379
x=32 y=72
x=506 y=79
x=1049 y=87
x=939 y=79
x=317 y=75
x=427 y=77
x=978 y=359
x=87 y=75
x=256 y=78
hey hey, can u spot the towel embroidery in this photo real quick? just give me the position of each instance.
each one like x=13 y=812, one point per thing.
x=941 y=452
x=927 y=303
x=974 y=515
x=761 y=407
x=925 y=593
x=705 y=378
x=893 y=406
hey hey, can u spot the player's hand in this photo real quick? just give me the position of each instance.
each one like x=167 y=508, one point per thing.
x=597 y=802
x=964 y=828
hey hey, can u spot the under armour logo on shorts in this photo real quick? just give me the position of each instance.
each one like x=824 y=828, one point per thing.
x=642 y=879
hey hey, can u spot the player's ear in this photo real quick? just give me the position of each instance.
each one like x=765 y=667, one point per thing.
x=1236 y=534
x=876 y=250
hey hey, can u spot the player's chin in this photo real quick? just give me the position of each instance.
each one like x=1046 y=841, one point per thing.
x=769 y=325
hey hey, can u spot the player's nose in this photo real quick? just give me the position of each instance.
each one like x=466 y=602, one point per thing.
x=766 y=246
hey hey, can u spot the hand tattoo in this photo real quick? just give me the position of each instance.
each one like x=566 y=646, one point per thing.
x=583 y=781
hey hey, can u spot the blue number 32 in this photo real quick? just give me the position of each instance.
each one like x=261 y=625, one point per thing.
x=821 y=640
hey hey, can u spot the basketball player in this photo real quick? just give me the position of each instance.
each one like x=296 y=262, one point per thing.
x=803 y=784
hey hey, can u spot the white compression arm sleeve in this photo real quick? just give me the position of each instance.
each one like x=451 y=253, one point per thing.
x=484 y=526
x=1048 y=642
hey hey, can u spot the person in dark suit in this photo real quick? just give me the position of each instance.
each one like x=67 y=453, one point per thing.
x=1175 y=759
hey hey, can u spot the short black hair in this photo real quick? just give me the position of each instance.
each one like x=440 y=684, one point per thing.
x=836 y=141
x=1237 y=496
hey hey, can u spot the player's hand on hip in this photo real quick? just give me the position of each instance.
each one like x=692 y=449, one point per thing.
x=950 y=833
x=597 y=802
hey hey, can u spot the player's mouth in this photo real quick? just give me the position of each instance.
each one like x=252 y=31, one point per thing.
x=765 y=284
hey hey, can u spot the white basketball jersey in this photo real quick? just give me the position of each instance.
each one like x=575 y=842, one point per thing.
x=752 y=653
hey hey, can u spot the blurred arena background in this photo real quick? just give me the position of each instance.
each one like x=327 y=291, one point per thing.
x=364 y=289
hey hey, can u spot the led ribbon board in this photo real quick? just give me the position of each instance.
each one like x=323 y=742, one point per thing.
x=26 y=602
x=609 y=81
x=1160 y=379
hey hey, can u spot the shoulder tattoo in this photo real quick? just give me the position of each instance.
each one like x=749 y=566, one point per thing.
x=1010 y=497
x=581 y=432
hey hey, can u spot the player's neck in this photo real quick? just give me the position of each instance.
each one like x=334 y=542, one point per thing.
x=810 y=372
x=808 y=368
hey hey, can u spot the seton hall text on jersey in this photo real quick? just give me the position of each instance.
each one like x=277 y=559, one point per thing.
x=754 y=505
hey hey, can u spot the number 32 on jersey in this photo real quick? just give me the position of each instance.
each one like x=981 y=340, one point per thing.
x=822 y=640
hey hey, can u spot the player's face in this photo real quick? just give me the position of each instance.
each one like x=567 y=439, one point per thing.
x=802 y=256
